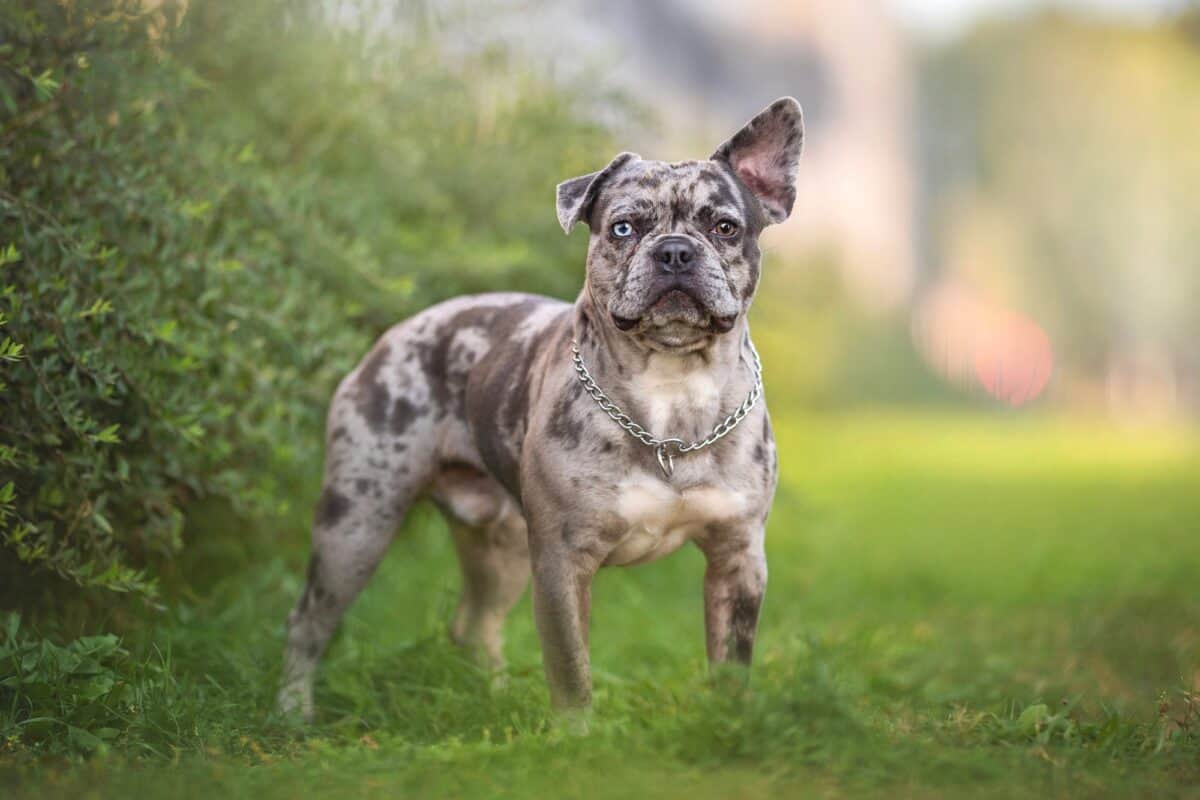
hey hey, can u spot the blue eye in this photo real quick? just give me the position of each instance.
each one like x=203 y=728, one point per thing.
x=622 y=230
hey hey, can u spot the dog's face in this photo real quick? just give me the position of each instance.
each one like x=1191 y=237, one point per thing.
x=673 y=258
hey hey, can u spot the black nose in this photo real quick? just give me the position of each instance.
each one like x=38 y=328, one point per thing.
x=675 y=254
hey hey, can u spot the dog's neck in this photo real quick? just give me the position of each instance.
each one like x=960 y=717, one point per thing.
x=614 y=357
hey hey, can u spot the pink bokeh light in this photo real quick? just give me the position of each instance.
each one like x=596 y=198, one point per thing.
x=974 y=342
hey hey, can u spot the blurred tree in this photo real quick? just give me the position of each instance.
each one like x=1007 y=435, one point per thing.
x=1066 y=182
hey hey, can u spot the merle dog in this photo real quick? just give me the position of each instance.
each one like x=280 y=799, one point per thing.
x=558 y=438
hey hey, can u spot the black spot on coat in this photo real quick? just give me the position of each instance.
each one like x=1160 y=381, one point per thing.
x=331 y=507
x=311 y=579
x=371 y=395
x=498 y=388
x=567 y=425
x=743 y=623
x=404 y=413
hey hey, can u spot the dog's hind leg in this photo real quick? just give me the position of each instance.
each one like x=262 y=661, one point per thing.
x=493 y=554
x=380 y=455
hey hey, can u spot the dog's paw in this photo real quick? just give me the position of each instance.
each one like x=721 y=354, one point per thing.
x=295 y=705
x=574 y=721
x=498 y=679
x=732 y=680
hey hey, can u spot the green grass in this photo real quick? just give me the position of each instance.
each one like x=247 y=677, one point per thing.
x=965 y=606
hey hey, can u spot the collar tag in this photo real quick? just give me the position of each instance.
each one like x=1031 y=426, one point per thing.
x=666 y=461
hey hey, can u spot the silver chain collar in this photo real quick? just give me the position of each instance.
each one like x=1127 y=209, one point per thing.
x=663 y=447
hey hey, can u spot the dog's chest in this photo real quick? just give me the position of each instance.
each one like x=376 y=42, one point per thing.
x=660 y=518
x=673 y=396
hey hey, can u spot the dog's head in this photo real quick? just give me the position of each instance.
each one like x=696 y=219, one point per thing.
x=673 y=259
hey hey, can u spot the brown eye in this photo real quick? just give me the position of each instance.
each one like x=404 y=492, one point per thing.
x=726 y=229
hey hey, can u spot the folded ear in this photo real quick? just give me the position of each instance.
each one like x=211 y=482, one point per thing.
x=575 y=197
x=765 y=155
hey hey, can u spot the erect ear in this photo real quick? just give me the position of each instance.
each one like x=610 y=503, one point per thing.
x=575 y=197
x=765 y=154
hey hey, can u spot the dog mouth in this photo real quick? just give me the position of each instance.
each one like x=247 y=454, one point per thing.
x=674 y=309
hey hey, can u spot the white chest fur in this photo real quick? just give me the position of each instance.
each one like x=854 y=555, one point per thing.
x=660 y=518
x=672 y=391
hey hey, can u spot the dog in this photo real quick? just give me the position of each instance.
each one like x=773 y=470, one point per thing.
x=558 y=438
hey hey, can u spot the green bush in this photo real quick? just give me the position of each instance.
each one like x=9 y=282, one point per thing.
x=204 y=219
x=63 y=695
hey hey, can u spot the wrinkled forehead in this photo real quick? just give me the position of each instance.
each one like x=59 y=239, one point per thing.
x=683 y=189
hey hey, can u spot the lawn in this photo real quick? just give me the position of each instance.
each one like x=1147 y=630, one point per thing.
x=999 y=606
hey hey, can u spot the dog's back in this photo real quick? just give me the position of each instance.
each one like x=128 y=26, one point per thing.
x=461 y=366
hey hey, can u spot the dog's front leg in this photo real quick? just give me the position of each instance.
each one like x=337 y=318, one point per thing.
x=735 y=582
x=562 y=601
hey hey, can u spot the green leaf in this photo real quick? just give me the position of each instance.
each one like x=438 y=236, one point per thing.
x=83 y=741
x=9 y=254
x=45 y=85
x=1033 y=718
x=108 y=435
x=99 y=307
